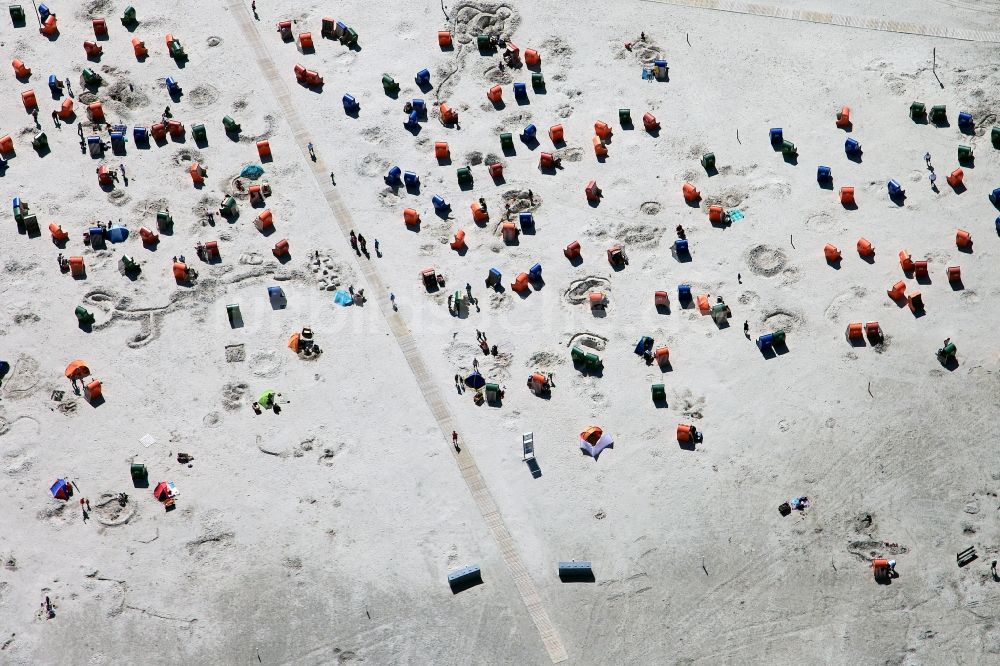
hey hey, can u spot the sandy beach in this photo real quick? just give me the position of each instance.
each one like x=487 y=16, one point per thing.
x=323 y=531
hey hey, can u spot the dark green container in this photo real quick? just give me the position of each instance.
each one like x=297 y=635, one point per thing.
x=995 y=137
x=507 y=141
x=199 y=132
x=939 y=113
x=659 y=392
x=232 y=127
x=788 y=148
x=964 y=153
x=389 y=84
x=129 y=17
x=537 y=80
x=918 y=110
x=708 y=161
x=40 y=141
x=90 y=77
x=16 y=14
x=483 y=42
x=625 y=116
x=577 y=354
x=464 y=175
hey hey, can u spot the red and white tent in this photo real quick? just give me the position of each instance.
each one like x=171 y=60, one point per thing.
x=593 y=440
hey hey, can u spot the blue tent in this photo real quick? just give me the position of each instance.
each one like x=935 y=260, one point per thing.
x=475 y=380
x=343 y=298
x=117 y=234
x=61 y=489
x=252 y=171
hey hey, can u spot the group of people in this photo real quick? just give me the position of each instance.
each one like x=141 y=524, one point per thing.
x=360 y=245
x=485 y=346
x=358 y=295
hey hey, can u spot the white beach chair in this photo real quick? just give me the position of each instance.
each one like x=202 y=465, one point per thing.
x=528 y=446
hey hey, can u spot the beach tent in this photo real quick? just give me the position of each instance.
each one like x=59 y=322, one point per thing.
x=266 y=399
x=117 y=234
x=61 y=489
x=161 y=491
x=77 y=370
x=475 y=380
x=343 y=298
x=593 y=440
x=252 y=171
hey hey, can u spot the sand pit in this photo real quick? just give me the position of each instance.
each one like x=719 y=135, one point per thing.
x=325 y=503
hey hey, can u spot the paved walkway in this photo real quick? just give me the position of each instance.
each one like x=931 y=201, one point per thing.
x=863 y=22
x=432 y=395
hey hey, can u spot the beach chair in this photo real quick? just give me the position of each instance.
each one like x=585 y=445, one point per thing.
x=528 y=446
x=84 y=316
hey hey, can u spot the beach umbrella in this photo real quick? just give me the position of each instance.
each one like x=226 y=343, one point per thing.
x=593 y=440
x=475 y=380
x=77 y=370
x=117 y=234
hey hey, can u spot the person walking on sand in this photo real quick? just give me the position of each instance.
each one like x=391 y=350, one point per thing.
x=927 y=159
x=454 y=439
x=746 y=329
x=392 y=299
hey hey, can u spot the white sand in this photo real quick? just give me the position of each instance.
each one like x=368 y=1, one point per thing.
x=325 y=534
